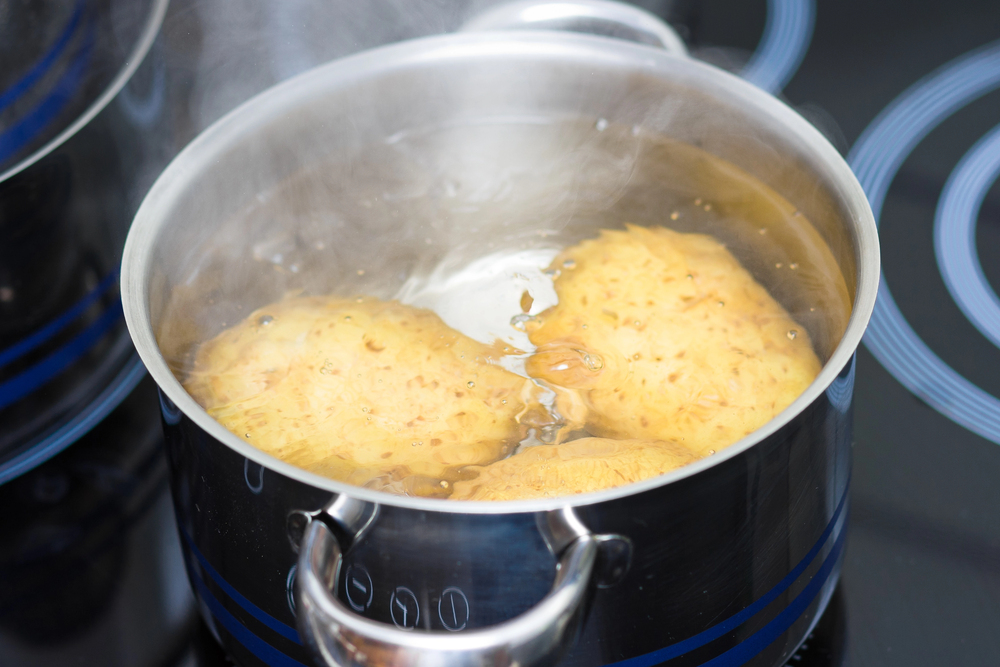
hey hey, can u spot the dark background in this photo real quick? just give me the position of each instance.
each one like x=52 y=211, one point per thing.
x=921 y=580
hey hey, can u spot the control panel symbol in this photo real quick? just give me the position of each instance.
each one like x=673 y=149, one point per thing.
x=404 y=608
x=359 y=588
x=453 y=609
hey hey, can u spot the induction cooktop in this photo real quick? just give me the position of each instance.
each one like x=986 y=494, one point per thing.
x=909 y=92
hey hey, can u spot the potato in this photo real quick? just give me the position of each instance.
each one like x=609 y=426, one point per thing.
x=360 y=390
x=668 y=337
x=579 y=466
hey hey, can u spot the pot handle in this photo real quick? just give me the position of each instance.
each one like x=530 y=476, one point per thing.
x=602 y=17
x=339 y=637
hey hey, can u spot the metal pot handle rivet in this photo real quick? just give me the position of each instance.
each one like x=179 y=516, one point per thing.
x=603 y=17
x=339 y=636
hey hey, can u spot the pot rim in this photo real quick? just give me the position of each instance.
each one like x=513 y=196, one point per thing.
x=185 y=168
x=157 y=12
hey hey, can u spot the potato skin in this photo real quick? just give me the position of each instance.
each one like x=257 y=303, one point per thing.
x=360 y=390
x=668 y=337
x=662 y=347
x=579 y=466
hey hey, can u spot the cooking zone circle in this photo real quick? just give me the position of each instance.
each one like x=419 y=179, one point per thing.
x=876 y=158
x=786 y=37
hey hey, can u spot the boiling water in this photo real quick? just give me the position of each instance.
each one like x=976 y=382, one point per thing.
x=485 y=300
x=465 y=220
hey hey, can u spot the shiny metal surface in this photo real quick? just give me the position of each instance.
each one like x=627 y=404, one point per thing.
x=602 y=17
x=340 y=636
x=488 y=73
x=354 y=518
x=67 y=196
x=732 y=558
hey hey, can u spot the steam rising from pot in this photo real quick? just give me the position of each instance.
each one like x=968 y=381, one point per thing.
x=230 y=50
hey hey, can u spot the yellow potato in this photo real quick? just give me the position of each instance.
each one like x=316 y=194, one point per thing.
x=579 y=466
x=364 y=391
x=668 y=337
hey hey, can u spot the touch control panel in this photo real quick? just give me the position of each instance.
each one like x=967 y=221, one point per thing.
x=453 y=609
x=359 y=588
x=438 y=576
x=447 y=609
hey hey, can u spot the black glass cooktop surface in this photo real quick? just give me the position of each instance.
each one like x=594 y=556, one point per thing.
x=909 y=92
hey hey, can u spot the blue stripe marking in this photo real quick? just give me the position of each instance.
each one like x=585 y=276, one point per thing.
x=270 y=621
x=656 y=657
x=260 y=648
x=73 y=430
x=23 y=131
x=20 y=87
x=24 y=383
x=757 y=642
x=734 y=621
x=55 y=326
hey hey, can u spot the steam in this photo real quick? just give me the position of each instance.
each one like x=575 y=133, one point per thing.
x=230 y=50
x=247 y=46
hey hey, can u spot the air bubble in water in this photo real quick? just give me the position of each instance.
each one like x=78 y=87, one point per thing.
x=792 y=333
x=602 y=124
x=592 y=361
x=675 y=215
x=470 y=384
x=520 y=321
x=264 y=320
x=569 y=264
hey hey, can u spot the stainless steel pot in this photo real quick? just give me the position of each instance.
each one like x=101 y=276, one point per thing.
x=83 y=133
x=363 y=173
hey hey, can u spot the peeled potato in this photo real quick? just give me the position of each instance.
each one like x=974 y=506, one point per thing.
x=360 y=390
x=668 y=337
x=579 y=466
